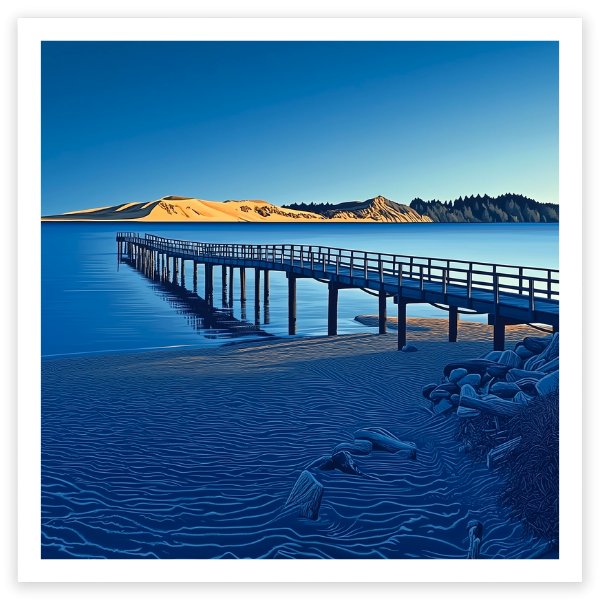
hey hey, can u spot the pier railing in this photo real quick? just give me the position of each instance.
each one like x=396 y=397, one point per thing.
x=520 y=280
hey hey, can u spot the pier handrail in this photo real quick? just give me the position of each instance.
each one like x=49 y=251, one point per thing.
x=523 y=281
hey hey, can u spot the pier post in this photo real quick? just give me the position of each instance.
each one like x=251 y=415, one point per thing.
x=291 y=304
x=242 y=284
x=499 y=333
x=401 y=324
x=195 y=277
x=175 y=270
x=332 y=307
x=257 y=296
x=231 y=286
x=382 y=312
x=267 y=286
x=208 y=283
x=224 y=284
x=182 y=273
x=453 y=324
x=168 y=268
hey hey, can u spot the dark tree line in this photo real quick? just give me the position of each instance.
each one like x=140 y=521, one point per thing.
x=312 y=207
x=507 y=208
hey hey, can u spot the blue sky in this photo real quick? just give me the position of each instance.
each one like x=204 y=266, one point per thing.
x=297 y=121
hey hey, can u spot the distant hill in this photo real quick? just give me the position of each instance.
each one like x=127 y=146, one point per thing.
x=183 y=209
x=507 y=208
x=378 y=209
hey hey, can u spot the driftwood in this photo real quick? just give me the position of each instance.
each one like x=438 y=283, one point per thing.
x=499 y=454
x=384 y=442
x=307 y=494
x=492 y=405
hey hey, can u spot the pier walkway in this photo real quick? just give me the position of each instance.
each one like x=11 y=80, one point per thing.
x=508 y=294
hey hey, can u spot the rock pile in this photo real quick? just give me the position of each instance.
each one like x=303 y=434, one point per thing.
x=498 y=383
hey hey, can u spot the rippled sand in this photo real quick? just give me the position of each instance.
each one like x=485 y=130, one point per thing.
x=193 y=453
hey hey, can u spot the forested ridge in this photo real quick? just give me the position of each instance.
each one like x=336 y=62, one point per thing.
x=507 y=208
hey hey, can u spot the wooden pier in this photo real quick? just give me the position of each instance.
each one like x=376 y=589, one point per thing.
x=508 y=294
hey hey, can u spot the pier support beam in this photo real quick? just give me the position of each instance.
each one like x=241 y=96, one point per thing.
x=332 y=309
x=257 y=296
x=401 y=324
x=168 y=268
x=242 y=284
x=224 y=284
x=208 y=283
x=453 y=324
x=195 y=278
x=175 y=270
x=382 y=312
x=267 y=286
x=291 y=304
x=499 y=334
x=182 y=273
x=231 y=286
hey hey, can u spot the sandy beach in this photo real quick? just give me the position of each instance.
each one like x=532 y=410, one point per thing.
x=193 y=453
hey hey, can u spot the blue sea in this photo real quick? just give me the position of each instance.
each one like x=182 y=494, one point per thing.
x=159 y=442
x=93 y=305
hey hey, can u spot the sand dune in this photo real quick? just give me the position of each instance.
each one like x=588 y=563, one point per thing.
x=179 y=208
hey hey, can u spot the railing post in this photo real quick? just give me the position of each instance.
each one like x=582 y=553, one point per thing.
x=520 y=280
x=470 y=288
x=399 y=281
x=444 y=282
x=380 y=270
x=549 y=284
x=421 y=277
x=531 y=297
x=337 y=264
x=496 y=292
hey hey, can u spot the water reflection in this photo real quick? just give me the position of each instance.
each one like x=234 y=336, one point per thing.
x=200 y=314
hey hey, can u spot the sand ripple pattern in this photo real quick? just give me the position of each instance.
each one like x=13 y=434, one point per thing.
x=193 y=453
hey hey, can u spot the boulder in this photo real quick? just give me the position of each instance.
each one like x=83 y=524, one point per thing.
x=550 y=366
x=494 y=355
x=522 y=398
x=523 y=353
x=472 y=365
x=358 y=447
x=551 y=351
x=527 y=385
x=409 y=348
x=510 y=358
x=531 y=364
x=498 y=370
x=536 y=345
x=443 y=406
x=426 y=391
x=444 y=390
x=548 y=383
x=324 y=463
x=515 y=375
x=454 y=399
x=306 y=494
x=467 y=391
x=505 y=390
x=387 y=443
x=474 y=379
x=456 y=375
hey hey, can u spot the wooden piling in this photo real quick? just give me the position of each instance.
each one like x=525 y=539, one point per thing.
x=208 y=283
x=257 y=296
x=195 y=276
x=382 y=312
x=267 y=286
x=401 y=324
x=291 y=304
x=332 y=306
x=499 y=334
x=242 y=284
x=182 y=273
x=231 y=286
x=453 y=324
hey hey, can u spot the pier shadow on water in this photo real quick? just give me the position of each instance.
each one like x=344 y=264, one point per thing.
x=201 y=314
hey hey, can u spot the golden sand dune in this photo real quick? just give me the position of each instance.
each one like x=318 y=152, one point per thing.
x=179 y=208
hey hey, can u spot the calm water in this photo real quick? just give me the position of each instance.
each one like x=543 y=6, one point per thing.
x=92 y=305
